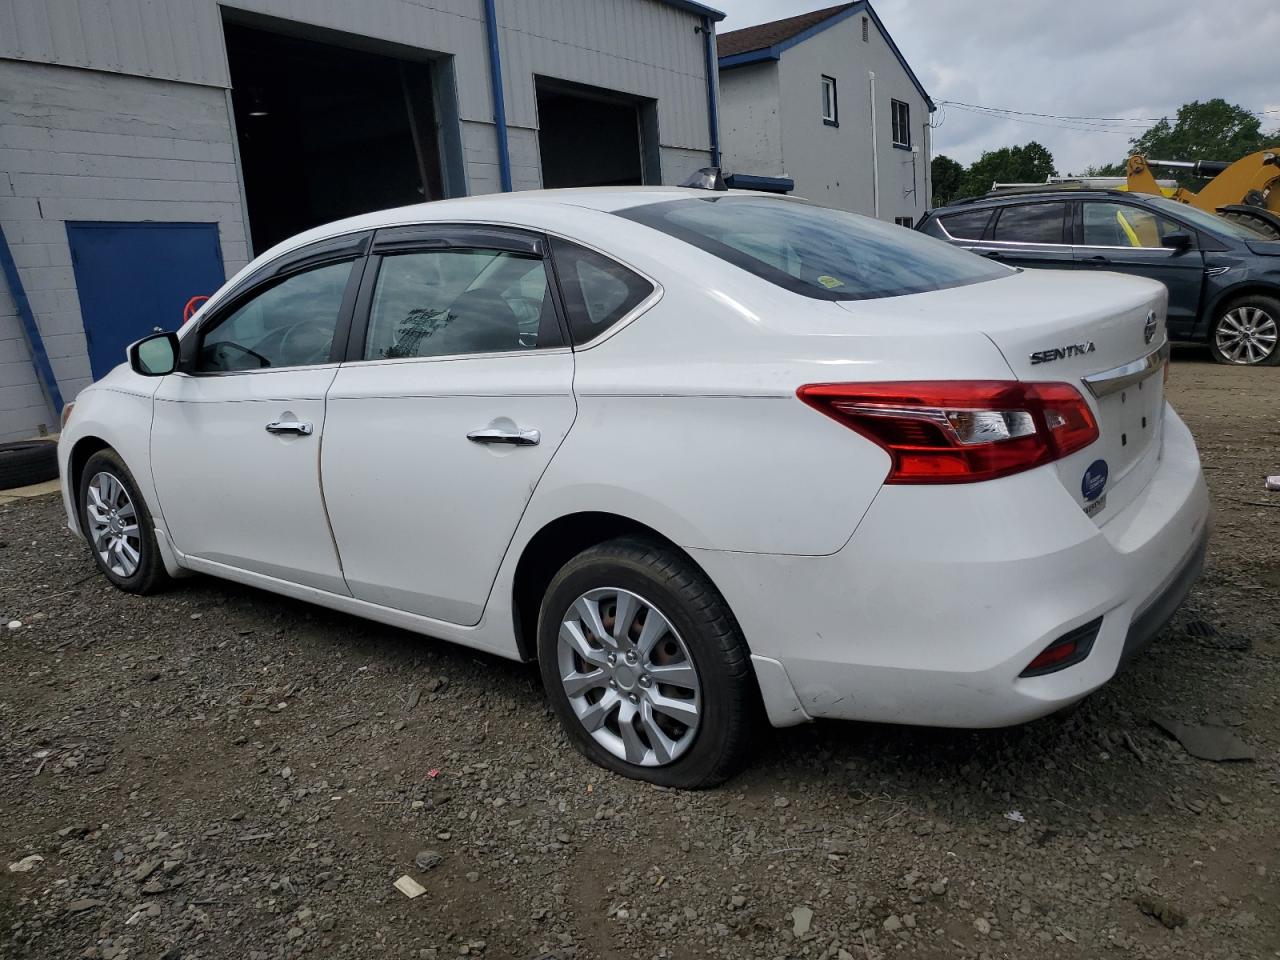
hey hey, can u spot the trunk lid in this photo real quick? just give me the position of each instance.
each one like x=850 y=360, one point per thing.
x=1093 y=331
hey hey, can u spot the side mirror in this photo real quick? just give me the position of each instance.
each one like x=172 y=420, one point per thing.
x=155 y=356
x=1176 y=241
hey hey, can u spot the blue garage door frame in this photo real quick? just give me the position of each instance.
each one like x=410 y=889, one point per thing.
x=134 y=277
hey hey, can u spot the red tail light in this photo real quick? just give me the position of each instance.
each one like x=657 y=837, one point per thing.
x=960 y=431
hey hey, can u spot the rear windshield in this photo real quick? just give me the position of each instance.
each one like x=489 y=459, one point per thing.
x=816 y=251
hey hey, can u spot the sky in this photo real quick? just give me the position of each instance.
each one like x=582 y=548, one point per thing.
x=1085 y=58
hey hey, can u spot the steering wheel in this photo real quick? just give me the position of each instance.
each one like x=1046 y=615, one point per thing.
x=307 y=341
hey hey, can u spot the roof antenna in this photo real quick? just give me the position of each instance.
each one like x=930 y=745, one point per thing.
x=708 y=178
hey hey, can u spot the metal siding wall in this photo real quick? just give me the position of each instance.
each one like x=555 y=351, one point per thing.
x=640 y=47
x=83 y=145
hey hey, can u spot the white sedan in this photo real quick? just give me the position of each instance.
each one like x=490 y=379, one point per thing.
x=703 y=455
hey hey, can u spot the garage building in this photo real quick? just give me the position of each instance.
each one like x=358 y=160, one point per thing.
x=148 y=148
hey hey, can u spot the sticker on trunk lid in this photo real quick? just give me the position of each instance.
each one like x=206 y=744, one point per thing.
x=1094 y=481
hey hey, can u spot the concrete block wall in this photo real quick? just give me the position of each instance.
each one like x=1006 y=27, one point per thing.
x=87 y=145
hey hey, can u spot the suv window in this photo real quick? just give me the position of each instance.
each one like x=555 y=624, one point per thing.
x=439 y=303
x=289 y=323
x=598 y=292
x=1031 y=223
x=1108 y=224
x=970 y=225
x=815 y=251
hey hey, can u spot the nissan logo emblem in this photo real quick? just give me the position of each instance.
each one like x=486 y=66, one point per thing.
x=1149 y=329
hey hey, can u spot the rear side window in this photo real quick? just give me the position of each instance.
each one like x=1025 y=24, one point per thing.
x=970 y=225
x=820 y=253
x=598 y=292
x=444 y=303
x=1031 y=223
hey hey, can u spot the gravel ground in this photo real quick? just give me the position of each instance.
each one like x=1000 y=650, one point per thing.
x=217 y=772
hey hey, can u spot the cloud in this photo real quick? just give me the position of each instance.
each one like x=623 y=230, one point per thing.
x=1088 y=58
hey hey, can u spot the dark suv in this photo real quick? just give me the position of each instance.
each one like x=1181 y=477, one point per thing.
x=1223 y=278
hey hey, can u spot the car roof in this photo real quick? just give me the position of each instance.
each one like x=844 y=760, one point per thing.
x=523 y=205
x=1023 y=194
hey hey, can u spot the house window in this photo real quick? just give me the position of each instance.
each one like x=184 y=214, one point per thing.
x=908 y=222
x=901 y=124
x=829 y=109
x=866 y=30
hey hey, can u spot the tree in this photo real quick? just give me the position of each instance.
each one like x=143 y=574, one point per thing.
x=1212 y=130
x=947 y=177
x=1030 y=163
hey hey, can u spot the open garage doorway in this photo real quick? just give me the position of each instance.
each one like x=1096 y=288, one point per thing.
x=590 y=137
x=326 y=131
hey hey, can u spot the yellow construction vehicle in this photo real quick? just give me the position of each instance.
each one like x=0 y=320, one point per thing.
x=1247 y=191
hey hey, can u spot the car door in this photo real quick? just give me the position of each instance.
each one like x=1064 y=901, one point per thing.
x=1129 y=238
x=236 y=433
x=1033 y=234
x=458 y=391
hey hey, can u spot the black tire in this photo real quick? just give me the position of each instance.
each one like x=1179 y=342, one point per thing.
x=150 y=574
x=1270 y=307
x=26 y=462
x=729 y=706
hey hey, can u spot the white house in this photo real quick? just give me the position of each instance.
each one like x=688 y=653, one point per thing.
x=149 y=148
x=827 y=100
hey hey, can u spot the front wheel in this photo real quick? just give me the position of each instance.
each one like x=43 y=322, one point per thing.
x=1247 y=332
x=645 y=666
x=118 y=526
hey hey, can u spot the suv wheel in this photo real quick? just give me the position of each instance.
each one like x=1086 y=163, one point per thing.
x=1247 y=332
x=645 y=665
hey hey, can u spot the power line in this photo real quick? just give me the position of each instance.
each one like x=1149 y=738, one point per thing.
x=1057 y=116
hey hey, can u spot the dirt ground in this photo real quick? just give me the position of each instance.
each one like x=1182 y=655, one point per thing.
x=217 y=772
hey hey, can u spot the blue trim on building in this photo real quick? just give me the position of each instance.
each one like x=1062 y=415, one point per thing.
x=688 y=6
x=749 y=181
x=499 y=100
x=713 y=101
x=34 y=341
x=862 y=7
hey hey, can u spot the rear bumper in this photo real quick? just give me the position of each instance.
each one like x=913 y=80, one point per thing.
x=942 y=597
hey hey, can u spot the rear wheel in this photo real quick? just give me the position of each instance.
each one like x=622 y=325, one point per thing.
x=1247 y=332
x=645 y=665
x=118 y=525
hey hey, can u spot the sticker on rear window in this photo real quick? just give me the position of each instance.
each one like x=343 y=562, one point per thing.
x=1094 y=481
x=830 y=282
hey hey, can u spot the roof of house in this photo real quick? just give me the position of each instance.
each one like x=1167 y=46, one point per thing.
x=767 y=41
x=767 y=34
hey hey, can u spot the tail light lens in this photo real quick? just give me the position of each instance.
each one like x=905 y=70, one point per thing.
x=960 y=431
x=66 y=413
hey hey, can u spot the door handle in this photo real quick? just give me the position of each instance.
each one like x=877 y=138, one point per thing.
x=518 y=438
x=993 y=255
x=302 y=428
x=1098 y=259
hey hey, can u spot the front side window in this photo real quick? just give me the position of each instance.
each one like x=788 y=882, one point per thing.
x=829 y=107
x=598 y=292
x=290 y=323
x=1206 y=220
x=1031 y=223
x=1123 y=225
x=820 y=253
x=441 y=303
x=901 y=123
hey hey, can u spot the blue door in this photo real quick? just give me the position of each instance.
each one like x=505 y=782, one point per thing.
x=133 y=278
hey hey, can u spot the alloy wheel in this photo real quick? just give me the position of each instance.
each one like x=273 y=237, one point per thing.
x=1246 y=335
x=113 y=525
x=629 y=677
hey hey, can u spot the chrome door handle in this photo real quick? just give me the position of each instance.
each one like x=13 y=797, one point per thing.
x=302 y=428
x=519 y=438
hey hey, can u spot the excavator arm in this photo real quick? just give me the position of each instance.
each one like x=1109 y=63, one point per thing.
x=1247 y=190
